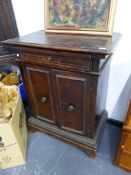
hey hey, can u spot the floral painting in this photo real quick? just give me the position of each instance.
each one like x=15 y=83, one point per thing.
x=78 y=14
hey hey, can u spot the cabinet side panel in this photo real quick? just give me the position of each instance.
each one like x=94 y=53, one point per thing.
x=102 y=89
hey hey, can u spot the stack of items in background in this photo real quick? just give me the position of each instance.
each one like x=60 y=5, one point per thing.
x=11 y=76
x=13 y=132
x=8 y=100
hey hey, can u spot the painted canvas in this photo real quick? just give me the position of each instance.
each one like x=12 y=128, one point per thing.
x=92 y=15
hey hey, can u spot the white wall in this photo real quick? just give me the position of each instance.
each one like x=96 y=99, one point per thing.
x=29 y=15
x=30 y=18
x=119 y=89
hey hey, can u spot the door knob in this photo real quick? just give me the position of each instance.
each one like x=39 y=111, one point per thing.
x=71 y=108
x=123 y=146
x=43 y=99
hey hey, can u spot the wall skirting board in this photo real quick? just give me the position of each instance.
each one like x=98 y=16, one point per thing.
x=115 y=122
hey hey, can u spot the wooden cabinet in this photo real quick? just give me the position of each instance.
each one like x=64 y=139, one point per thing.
x=123 y=158
x=66 y=78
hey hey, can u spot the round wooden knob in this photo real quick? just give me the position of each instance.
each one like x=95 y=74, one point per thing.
x=71 y=108
x=123 y=146
x=43 y=99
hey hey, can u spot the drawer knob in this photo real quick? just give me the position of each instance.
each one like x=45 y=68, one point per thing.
x=71 y=108
x=43 y=99
x=123 y=146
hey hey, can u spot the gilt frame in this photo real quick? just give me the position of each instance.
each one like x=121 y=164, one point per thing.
x=60 y=28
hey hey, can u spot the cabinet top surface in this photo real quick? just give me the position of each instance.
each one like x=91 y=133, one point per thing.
x=66 y=42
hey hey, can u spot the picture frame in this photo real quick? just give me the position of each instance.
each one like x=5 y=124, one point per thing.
x=94 y=17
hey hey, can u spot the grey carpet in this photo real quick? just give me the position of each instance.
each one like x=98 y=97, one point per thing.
x=49 y=156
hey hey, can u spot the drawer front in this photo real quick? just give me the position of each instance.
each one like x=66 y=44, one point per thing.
x=125 y=161
x=123 y=158
x=76 y=63
x=126 y=146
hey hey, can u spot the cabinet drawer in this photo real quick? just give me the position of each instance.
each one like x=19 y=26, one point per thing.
x=75 y=63
x=126 y=146
x=125 y=161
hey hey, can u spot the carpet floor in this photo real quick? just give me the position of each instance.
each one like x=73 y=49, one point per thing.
x=49 y=156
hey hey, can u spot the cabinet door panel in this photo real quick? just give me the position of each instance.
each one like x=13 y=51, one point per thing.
x=71 y=92
x=127 y=143
x=125 y=161
x=40 y=87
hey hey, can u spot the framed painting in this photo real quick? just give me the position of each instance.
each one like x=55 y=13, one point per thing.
x=80 y=16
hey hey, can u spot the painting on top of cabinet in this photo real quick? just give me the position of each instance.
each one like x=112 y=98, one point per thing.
x=81 y=16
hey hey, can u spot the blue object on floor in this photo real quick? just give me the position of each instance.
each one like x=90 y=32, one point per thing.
x=22 y=91
x=49 y=156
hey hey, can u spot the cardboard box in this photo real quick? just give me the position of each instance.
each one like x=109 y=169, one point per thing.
x=13 y=138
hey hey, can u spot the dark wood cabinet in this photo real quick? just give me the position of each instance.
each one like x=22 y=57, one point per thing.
x=66 y=78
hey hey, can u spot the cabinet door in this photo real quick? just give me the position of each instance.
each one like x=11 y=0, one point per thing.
x=40 y=92
x=124 y=153
x=72 y=98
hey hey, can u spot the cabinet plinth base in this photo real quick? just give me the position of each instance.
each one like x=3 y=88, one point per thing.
x=89 y=146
